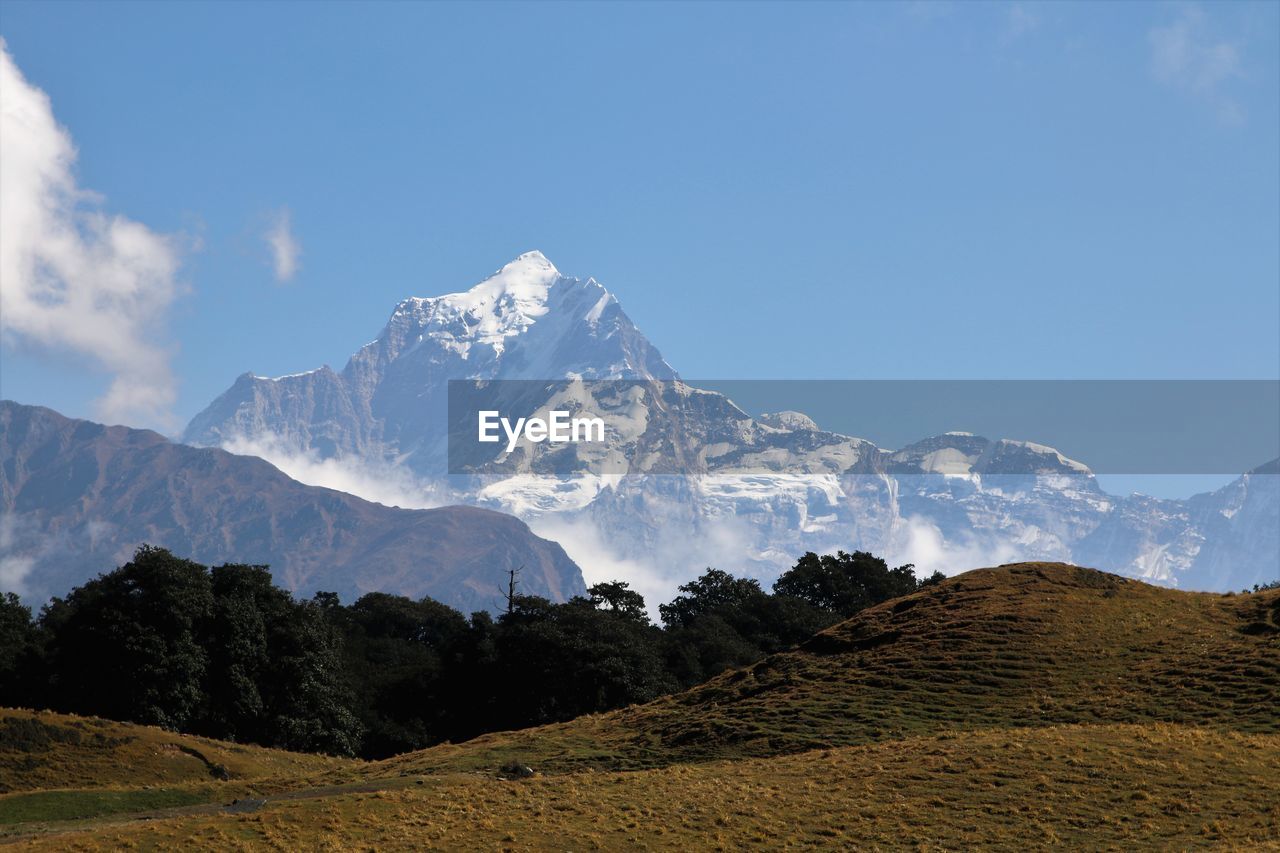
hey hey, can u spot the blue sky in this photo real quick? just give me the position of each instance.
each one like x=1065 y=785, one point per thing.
x=773 y=191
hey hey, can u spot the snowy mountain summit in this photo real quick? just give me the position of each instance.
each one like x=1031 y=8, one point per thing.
x=525 y=321
x=688 y=478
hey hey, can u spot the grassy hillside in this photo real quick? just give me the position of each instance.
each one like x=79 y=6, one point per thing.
x=1113 y=786
x=45 y=750
x=1025 y=645
x=60 y=767
x=1028 y=704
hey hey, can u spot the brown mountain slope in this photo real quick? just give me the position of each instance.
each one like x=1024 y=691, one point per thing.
x=1030 y=644
x=77 y=498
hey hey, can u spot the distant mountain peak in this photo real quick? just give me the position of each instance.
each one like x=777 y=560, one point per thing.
x=562 y=327
x=521 y=287
x=527 y=280
x=533 y=261
x=524 y=321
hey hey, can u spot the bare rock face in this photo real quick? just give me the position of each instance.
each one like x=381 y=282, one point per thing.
x=76 y=498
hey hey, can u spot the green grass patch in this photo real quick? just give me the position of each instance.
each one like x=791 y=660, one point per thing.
x=49 y=806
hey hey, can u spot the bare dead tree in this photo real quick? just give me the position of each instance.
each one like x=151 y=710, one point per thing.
x=513 y=579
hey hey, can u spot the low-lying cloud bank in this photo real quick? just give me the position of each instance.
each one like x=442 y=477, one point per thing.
x=684 y=550
x=383 y=484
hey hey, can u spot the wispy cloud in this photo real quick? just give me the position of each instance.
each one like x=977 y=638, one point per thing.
x=76 y=278
x=385 y=484
x=920 y=542
x=657 y=571
x=16 y=562
x=1186 y=55
x=285 y=249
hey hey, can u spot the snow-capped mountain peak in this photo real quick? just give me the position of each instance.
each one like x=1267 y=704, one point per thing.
x=525 y=321
x=503 y=305
x=769 y=487
x=524 y=283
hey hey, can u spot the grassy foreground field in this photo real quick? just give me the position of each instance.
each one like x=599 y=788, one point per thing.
x=46 y=750
x=60 y=767
x=1121 y=786
x=1017 y=707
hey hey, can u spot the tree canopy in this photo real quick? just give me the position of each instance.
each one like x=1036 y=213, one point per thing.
x=226 y=653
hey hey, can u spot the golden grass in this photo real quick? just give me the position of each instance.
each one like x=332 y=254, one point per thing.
x=1120 y=787
x=42 y=750
x=1031 y=644
x=1028 y=705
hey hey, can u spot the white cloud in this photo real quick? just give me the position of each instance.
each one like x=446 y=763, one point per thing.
x=72 y=277
x=1186 y=55
x=923 y=545
x=285 y=249
x=384 y=484
x=655 y=576
x=17 y=553
x=668 y=562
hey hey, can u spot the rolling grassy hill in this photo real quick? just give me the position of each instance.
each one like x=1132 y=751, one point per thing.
x=60 y=767
x=1031 y=644
x=1029 y=704
x=1120 y=787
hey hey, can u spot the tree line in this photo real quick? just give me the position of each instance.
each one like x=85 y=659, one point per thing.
x=224 y=652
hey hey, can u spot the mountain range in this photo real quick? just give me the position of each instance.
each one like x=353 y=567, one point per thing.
x=688 y=478
x=76 y=499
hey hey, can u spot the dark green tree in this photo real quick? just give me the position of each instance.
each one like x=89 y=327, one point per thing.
x=719 y=622
x=397 y=652
x=845 y=583
x=558 y=661
x=307 y=698
x=18 y=653
x=245 y=604
x=128 y=645
x=715 y=589
x=619 y=597
x=275 y=668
